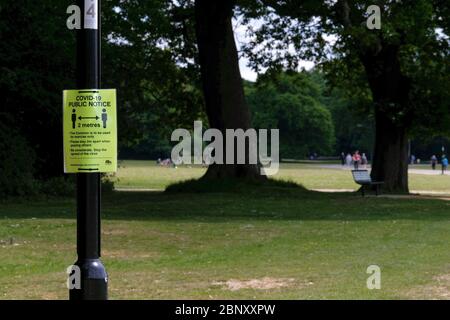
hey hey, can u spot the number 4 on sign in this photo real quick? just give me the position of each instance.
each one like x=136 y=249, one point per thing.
x=91 y=11
x=90 y=15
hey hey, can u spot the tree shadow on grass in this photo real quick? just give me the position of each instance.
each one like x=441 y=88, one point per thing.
x=192 y=201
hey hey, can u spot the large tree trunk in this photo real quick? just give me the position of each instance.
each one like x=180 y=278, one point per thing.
x=390 y=91
x=390 y=161
x=222 y=83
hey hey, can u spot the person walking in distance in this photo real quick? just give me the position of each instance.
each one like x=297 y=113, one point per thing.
x=348 y=159
x=433 y=162
x=356 y=159
x=342 y=157
x=444 y=163
x=364 y=161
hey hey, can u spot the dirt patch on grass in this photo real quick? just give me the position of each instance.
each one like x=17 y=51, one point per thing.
x=438 y=289
x=265 y=283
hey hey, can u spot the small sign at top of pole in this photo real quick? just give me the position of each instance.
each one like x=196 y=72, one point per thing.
x=90 y=14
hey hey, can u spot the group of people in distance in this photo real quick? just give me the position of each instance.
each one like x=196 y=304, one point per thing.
x=434 y=161
x=444 y=163
x=360 y=160
x=165 y=163
x=357 y=160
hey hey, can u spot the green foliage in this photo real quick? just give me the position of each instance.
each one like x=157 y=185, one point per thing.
x=290 y=102
x=17 y=167
x=36 y=64
x=58 y=186
x=148 y=50
x=413 y=33
x=16 y=164
x=152 y=146
x=352 y=116
x=107 y=181
x=145 y=56
x=354 y=128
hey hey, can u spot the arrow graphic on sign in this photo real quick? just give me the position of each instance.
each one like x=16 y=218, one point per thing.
x=81 y=118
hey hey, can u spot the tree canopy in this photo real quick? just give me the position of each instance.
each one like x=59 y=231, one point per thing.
x=389 y=65
x=291 y=103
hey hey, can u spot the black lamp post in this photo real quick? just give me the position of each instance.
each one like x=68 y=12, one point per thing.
x=94 y=279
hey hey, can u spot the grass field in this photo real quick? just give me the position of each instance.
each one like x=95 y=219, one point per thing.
x=277 y=243
x=147 y=175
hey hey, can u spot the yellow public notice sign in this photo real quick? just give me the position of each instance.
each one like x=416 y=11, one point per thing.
x=90 y=130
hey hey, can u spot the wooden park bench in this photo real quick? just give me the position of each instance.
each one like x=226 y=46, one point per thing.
x=362 y=177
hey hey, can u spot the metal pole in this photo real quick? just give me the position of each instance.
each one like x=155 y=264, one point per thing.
x=94 y=280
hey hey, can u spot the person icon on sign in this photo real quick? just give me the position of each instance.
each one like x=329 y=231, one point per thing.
x=104 y=118
x=74 y=118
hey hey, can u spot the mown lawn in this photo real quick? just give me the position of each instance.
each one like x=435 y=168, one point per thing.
x=147 y=175
x=275 y=243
